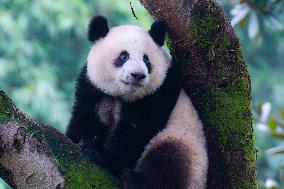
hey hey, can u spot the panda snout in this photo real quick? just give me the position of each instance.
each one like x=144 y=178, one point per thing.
x=138 y=76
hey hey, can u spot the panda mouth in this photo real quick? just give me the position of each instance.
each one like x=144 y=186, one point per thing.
x=135 y=84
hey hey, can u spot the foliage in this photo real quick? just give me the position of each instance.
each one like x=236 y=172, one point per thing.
x=255 y=14
x=273 y=126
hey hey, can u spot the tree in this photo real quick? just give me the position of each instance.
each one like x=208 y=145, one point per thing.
x=208 y=52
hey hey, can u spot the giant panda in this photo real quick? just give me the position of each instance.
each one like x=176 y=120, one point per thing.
x=131 y=115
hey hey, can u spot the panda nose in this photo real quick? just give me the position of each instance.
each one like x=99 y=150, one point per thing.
x=138 y=76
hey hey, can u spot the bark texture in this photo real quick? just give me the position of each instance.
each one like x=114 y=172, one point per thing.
x=208 y=52
x=34 y=156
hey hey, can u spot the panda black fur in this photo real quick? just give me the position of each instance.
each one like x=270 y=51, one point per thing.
x=131 y=115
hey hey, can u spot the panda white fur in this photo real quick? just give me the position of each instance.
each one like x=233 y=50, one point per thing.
x=131 y=115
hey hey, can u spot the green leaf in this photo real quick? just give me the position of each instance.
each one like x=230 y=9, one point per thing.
x=239 y=12
x=277 y=135
x=282 y=113
x=276 y=150
x=271 y=184
x=253 y=25
x=244 y=21
x=272 y=123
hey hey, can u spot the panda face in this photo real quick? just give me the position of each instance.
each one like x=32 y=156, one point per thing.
x=127 y=63
x=134 y=73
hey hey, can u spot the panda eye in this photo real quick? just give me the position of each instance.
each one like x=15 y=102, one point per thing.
x=146 y=59
x=147 y=62
x=122 y=58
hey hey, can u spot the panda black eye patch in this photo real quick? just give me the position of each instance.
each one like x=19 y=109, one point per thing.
x=121 y=59
x=147 y=62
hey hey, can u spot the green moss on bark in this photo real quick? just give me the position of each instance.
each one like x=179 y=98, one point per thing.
x=97 y=178
x=234 y=100
x=6 y=108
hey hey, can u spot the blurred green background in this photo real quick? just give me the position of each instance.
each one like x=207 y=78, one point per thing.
x=43 y=45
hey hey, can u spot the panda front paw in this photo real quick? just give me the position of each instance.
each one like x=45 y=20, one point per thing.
x=88 y=151
x=130 y=179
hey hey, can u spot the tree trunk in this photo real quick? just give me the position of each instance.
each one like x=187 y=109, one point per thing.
x=208 y=52
x=215 y=76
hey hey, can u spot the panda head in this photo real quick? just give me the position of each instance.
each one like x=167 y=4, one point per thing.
x=127 y=61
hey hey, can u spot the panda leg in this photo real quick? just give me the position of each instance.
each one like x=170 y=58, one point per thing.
x=165 y=166
x=174 y=159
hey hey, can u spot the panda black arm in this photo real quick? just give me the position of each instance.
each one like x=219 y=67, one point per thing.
x=84 y=124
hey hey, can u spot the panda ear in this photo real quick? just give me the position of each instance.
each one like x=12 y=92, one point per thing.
x=158 y=32
x=98 y=28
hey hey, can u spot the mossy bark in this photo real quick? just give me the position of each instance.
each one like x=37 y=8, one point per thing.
x=36 y=156
x=205 y=47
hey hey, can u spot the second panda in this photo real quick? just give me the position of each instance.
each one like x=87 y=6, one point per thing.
x=131 y=115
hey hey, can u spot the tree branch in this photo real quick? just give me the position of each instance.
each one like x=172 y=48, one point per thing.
x=36 y=156
x=215 y=76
